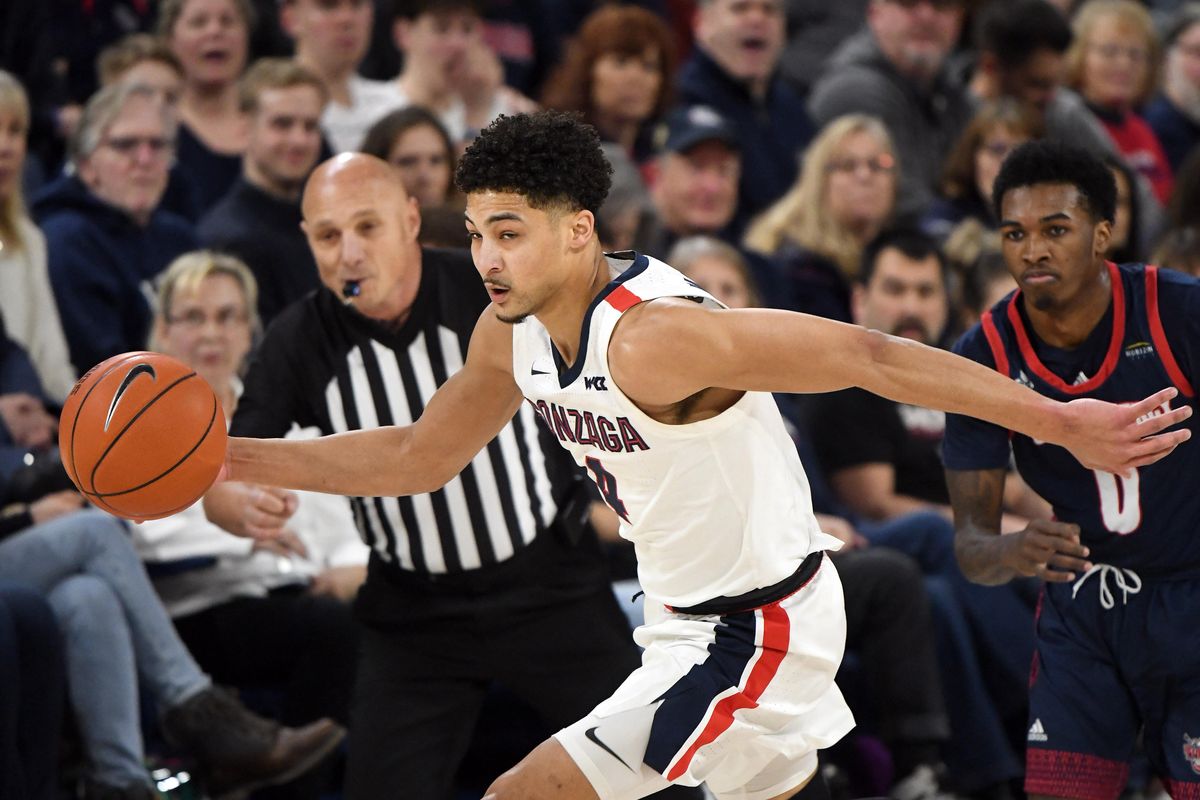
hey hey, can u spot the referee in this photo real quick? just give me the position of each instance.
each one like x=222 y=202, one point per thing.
x=495 y=577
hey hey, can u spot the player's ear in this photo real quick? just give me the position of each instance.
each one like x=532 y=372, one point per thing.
x=583 y=228
x=1101 y=236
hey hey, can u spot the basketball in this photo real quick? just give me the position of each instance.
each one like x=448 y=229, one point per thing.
x=142 y=435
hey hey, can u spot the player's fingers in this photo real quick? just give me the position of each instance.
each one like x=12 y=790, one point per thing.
x=1052 y=528
x=1160 y=422
x=1141 y=408
x=1055 y=576
x=1069 y=563
x=1157 y=447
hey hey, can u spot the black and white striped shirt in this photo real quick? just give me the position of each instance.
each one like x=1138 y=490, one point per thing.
x=322 y=364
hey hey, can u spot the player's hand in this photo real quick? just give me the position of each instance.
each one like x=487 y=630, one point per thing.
x=55 y=505
x=266 y=510
x=339 y=582
x=1120 y=438
x=1047 y=549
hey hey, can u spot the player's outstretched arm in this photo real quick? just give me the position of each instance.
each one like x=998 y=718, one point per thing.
x=467 y=412
x=1045 y=548
x=666 y=350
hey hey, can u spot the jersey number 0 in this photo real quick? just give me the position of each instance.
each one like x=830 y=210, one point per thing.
x=1120 y=505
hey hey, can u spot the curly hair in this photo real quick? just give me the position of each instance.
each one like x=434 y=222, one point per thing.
x=1044 y=161
x=551 y=158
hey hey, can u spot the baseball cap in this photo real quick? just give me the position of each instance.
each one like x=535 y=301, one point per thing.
x=688 y=127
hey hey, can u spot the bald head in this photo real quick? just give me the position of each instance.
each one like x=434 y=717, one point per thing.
x=353 y=175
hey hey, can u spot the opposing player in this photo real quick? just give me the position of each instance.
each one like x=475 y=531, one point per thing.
x=661 y=394
x=1116 y=632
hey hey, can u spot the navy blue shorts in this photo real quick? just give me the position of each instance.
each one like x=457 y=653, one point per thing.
x=1102 y=676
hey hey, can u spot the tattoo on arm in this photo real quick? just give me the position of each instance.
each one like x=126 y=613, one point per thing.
x=977 y=497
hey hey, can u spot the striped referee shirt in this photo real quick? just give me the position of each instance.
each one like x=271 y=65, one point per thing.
x=325 y=365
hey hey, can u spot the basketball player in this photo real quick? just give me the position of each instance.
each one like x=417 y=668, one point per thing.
x=662 y=395
x=1116 y=631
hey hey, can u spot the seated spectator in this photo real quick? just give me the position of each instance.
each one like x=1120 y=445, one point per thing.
x=1123 y=243
x=618 y=74
x=987 y=283
x=255 y=614
x=718 y=267
x=26 y=300
x=146 y=59
x=1180 y=250
x=623 y=221
x=211 y=40
x=449 y=69
x=1174 y=114
x=897 y=69
x=116 y=631
x=696 y=191
x=259 y=219
x=33 y=684
x=966 y=186
x=814 y=236
x=413 y=140
x=107 y=238
x=331 y=39
x=1113 y=64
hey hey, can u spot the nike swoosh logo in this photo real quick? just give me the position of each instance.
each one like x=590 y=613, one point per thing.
x=538 y=372
x=130 y=377
x=590 y=733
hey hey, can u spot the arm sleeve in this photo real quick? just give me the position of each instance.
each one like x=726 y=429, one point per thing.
x=969 y=443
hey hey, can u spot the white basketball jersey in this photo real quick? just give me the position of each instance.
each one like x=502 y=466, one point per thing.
x=714 y=508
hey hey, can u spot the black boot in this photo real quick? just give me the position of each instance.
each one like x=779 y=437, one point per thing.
x=238 y=750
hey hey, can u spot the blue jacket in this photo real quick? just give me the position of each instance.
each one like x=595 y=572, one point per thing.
x=102 y=268
x=773 y=133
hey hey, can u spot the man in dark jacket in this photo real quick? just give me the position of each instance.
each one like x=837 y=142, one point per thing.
x=106 y=237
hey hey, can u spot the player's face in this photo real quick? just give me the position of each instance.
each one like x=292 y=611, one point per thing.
x=517 y=250
x=285 y=138
x=13 y=129
x=334 y=33
x=916 y=35
x=209 y=328
x=364 y=232
x=1116 y=62
x=905 y=297
x=129 y=167
x=722 y=280
x=1051 y=245
x=744 y=36
x=697 y=191
x=424 y=164
x=210 y=39
x=626 y=86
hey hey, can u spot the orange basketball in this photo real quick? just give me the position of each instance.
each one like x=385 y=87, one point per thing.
x=142 y=435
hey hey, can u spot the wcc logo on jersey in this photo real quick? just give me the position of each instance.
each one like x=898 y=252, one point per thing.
x=1191 y=752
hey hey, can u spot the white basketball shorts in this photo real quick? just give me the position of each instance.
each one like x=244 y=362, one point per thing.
x=741 y=702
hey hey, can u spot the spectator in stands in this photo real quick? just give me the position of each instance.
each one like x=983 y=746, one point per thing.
x=211 y=40
x=449 y=69
x=813 y=237
x=624 y=220
x=269 y=614
x=331 y=40
x=414 y=141
x=987 y=282
x=115 y=632
x=146 y=59
x=734 y=69
x=815 y=29
x=697 y=186
x=896 y=70
x=1180 y=250
x=32 y=688
x=259 y=219
x=1114 y=63
x=1124 y=243
x=26 y=300
x=1175 y=114
x=965 y=191
x=107 y=238
x=618 y=73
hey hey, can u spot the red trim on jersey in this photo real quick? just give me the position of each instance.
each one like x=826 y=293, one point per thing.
x=1110 y=358
x=1160 y=337
x=1182 y=790
x=622 y=299
x=776 y=632
x=994 y=342
x=1059 y=773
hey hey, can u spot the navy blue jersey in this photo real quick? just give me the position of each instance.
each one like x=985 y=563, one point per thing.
x=1149 y=339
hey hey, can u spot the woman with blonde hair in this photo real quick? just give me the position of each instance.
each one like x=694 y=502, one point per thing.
x=813 y=237
x=1114 y=63
x=27 y=306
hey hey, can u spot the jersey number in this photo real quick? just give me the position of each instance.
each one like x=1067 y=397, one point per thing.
x=607 y=482
x=1120 y=505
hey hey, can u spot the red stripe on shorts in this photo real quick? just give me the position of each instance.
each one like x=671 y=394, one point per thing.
x=622 y=299
x=776 y=633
